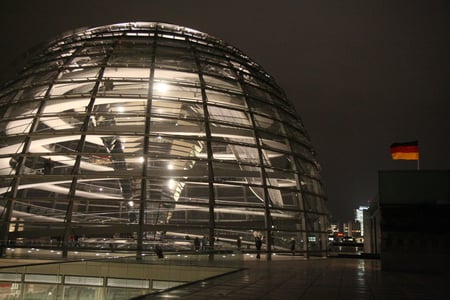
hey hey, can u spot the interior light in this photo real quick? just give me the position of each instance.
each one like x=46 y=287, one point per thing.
x=141 y=159
x=170 y=166
x=130 y=203
x=161 y=87
x=171 y=184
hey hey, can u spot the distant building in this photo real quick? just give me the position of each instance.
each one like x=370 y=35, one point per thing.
x=359 y=218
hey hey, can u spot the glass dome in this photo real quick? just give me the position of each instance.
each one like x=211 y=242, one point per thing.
x=136 y=134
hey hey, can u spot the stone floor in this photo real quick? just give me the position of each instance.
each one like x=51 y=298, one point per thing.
x=332 y=278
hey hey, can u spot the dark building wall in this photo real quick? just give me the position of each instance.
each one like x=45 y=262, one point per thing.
x=415 y=210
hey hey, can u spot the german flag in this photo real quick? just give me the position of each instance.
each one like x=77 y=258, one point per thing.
x=406 y=151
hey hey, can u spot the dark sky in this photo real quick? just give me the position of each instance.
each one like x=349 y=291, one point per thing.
x=361 y=74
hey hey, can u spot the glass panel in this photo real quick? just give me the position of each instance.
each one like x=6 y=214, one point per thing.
x=274 y=142
x=225 y=99
x=281 y=178
x=233 y=152
x=234 y=173
x=80 y=292
x=85 y=61
x=101 y=209
x=313 y=186
x=195 y=189
x=43 y=278
x=78 y=74
x=237 y=195
x=31 y=93
x=298 y=135
x=175 y=58
x=228 y=217
x=265 y=96
x=92 y=49
x=245 y=154
x=172 y=108
x=42 y=291
x=263 y=108
x=128 y=283
x=232 y=135
x=228 y=116
x=132 y=54
x=303 y=151
x=44 y=73
x=213 y=69
x=72 y=89
x=173 y=90
x=117 y=88
x=193 y=213
x=173 y=147
x=83 y=280
x=278 y=160
x=222 y=83
x=63 y=114
x=122 y=73
x=291 y=199
x=22 y=124
x=10 y=277
x=263 y=122
x=175 y=76
x=169 y=45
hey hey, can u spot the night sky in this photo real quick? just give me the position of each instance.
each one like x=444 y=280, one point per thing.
x=361 y=74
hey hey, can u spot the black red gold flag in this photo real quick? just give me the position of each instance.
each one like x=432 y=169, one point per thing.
x=406 y=151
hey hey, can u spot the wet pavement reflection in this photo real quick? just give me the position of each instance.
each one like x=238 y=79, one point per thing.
x=317 y=278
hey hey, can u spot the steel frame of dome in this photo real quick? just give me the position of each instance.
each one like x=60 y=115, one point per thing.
x=144 y=133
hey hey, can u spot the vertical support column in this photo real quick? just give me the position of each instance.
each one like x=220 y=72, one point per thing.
x=323 y=236
x=305 y=232
x=303 y=224
x=144 y=197
x=211 y=193
x=268 y=223
x=76 y=167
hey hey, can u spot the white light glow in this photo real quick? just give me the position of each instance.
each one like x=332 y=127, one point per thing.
x=161 y=87
x=171 y=184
